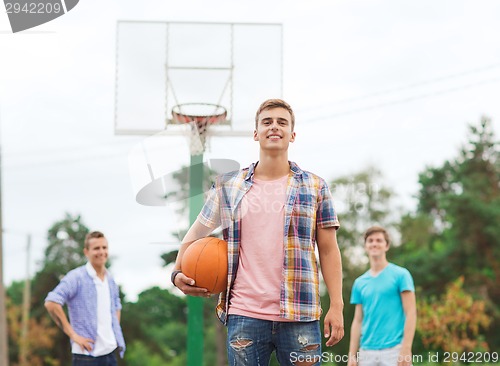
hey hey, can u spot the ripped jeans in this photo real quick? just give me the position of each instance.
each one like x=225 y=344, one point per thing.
x=250 y=342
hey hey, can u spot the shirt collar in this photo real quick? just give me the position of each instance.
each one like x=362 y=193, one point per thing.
x=92 y=272
x=295 y=168
x=251 y=170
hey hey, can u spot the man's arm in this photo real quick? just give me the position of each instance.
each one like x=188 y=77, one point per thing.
x=355 y=335
x=410 y=309
x=182 y=282
x=331 y=268
x=56 y=312
x=119 y=315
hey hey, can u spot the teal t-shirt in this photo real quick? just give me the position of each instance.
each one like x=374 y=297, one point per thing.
x=383 y=314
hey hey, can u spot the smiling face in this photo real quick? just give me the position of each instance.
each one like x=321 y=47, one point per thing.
x=376 y=245
x=97 y=252
x=274 y=129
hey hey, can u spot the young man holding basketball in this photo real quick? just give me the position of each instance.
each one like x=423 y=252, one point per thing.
x=385 y=315
x=273 y=214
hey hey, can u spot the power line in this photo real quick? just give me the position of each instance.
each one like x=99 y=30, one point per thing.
x=401 y=101
x=69 y=160
x=86 y=148
x=407 y=86
x=66 y=161
x=69 y=149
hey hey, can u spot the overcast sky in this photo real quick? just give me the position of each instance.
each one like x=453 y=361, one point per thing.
x=386 y=83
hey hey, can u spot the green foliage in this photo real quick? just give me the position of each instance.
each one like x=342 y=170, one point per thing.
x=180 y=195
x=65 y=249
x=463 y=198
x=139 y=354
x=455 y=230
x=362 y=200
x=425 y=254
x=157 y=322
x=453 y=234
x=40 y=337
x=181 y=192
x=15 y=292
x=169 y=257
x=214 y=340
x=64 y=252
x=453 y=322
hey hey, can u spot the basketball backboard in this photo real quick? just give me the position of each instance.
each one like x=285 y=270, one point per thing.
x=163 y=64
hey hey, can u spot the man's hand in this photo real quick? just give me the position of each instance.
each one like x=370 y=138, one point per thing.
x=352 y=361
x=187 y=286
x=86 y=344
x=405 y=357
x=334 y=326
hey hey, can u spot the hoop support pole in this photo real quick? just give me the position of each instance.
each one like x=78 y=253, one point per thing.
x=195 y=304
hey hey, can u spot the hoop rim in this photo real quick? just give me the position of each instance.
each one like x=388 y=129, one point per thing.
x=219 y=114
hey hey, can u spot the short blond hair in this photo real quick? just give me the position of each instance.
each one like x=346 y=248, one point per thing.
x=271 y=104
x=92 y=235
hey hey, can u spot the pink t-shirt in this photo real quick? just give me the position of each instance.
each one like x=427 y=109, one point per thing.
x=257 y=286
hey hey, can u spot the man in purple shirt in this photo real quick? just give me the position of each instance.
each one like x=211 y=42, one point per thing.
x=94 y=306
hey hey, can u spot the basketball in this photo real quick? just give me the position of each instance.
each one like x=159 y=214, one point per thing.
x=205 y=261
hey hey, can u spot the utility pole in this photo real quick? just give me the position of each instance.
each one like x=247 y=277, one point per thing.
x=4 y=345
x=23 y=352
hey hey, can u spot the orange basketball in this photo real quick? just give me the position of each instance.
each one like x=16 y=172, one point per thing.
x=205 y=261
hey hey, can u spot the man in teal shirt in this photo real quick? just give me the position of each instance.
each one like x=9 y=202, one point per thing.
x=385 y=316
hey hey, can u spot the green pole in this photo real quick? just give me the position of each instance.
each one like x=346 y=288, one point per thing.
x=195 y=304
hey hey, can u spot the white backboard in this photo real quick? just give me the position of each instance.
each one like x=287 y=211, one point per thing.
x=162 y=64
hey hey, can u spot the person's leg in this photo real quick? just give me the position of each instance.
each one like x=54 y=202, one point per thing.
x=248 y=341
x=369 y=358
x=390 y=356
x=298 y=343
x=82 y=360
x=110 y=360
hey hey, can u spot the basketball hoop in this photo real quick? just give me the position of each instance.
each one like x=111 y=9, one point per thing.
x=199 y=116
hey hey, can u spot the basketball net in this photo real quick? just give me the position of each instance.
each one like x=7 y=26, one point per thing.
x=198 y=116
x=198 y=136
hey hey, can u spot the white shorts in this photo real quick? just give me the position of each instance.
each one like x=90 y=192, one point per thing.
x=382 y=357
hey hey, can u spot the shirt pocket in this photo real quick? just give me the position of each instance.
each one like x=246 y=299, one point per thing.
x=303 y=224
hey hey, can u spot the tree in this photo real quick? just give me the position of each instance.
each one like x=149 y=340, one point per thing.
x=64 y=252
x=156 y=323
x=455 y=230
x=425 y=253
x=180 y=196
x=453 y=322
x=362 y=200
x=65 y=249
x=40 y=342
x=47 y=345
x=463 y=197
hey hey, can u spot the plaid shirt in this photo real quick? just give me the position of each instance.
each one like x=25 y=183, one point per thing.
x=308 y=206
x=77 y=289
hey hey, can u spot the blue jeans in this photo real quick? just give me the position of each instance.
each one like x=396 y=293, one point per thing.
x=83 y=360
x=250 y=342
